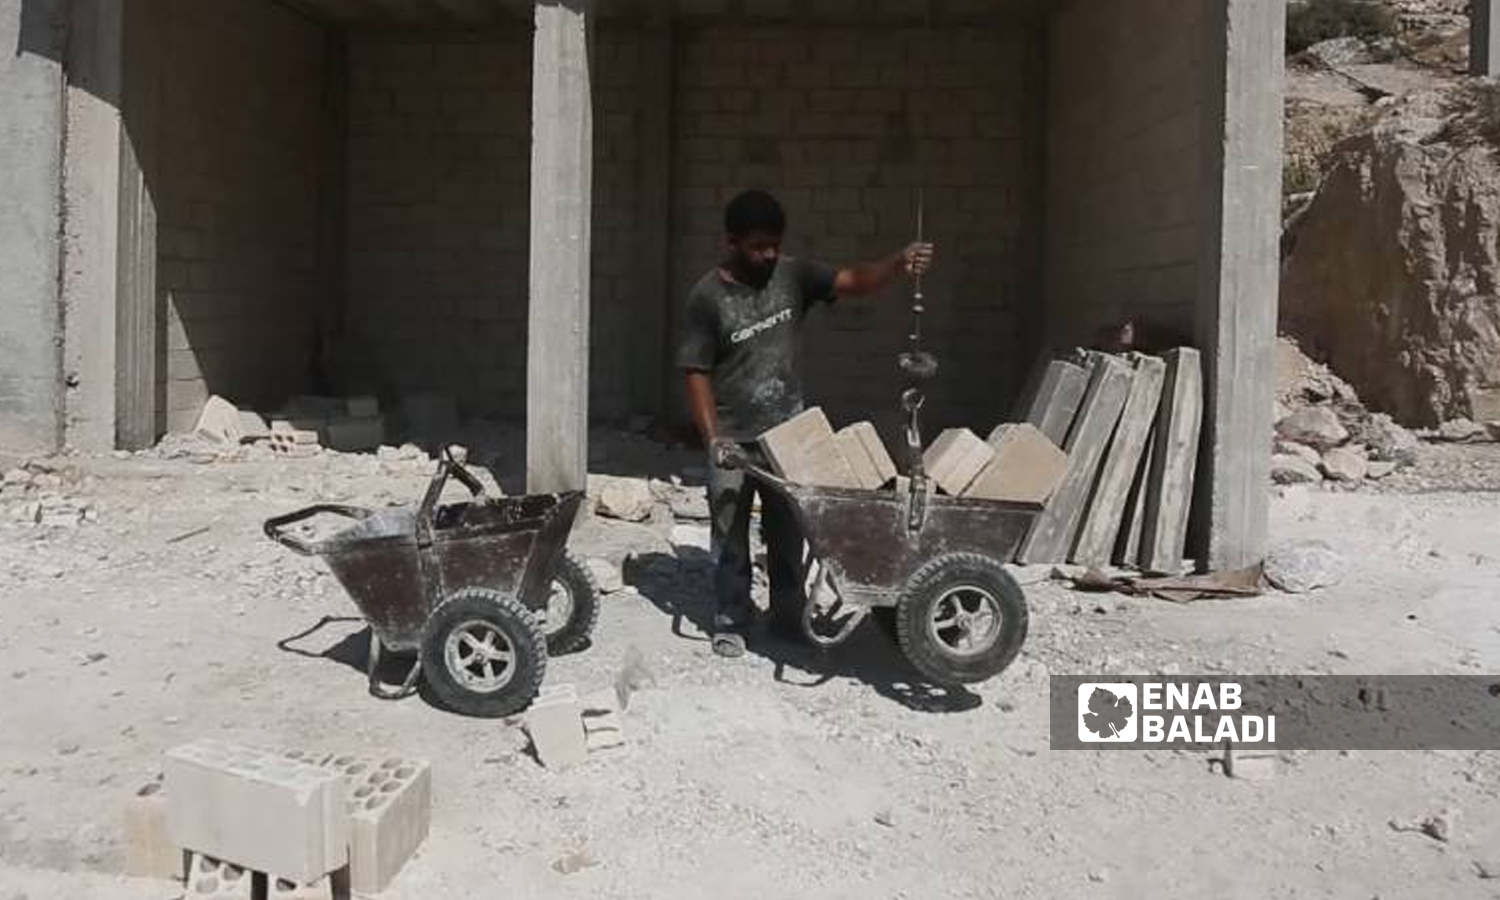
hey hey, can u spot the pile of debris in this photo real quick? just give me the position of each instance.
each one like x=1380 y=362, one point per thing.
x=44 y=495
x=233 y=821
x=1324 y=432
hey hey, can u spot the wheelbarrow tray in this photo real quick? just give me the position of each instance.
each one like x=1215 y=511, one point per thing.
x=867 y=542
x=395 y=577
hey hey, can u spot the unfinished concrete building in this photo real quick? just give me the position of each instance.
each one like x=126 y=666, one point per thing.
x=506 y=201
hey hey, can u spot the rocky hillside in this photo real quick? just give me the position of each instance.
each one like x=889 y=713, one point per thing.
x=1392 y=248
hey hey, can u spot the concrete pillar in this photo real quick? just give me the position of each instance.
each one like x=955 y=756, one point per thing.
x=650 y=361
x=557 y=373
x=140 y=399
x=91 y=198
x=32 y=38
x=1484 y=38
x=1238 y=264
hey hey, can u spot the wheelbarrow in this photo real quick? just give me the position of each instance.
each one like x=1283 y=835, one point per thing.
x=481 y=591
x=933 y=561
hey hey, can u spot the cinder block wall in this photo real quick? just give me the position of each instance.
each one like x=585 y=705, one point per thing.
x=1124 y=185
x=439 y=208
x=236 y=203
x=845 y=124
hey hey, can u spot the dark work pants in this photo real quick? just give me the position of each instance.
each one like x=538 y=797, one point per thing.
x=731 y=494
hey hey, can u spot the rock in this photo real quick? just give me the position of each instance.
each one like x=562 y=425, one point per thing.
x=1315 y=426
x=1487 y=869
x=1387 y=441
x=1345 y=463
x=885 y=817
x=607 y=575
x=220 y=421
x=627 y=499
x=1288 y=469
x=1342 y=51
x=1279 y=411
x=1458 y=431
x=1379 y=469
x=1298 y=567
x=1390 y=269
x=1292 y=448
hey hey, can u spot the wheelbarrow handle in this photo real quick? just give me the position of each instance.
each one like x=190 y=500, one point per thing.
x=447 y=466
x=276 y=528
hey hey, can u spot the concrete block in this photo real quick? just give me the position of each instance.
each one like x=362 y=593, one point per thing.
x=955 y=459
x=390 y=813
x=212 y=879
x=354 y=433
x=555 y=725
x=866 y=455
x=803 y=450
x=428 y=414
x=220 y=421
x=252 y=426
x=149 y=853
x=1027 y=466
x=602 y=726
x=1051 y=535
x=1107 y=507
x=363 y=407
x=264 y=811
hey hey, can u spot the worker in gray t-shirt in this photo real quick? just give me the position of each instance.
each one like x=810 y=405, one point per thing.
x=740 y=353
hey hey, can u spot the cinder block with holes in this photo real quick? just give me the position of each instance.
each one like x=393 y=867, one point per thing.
x=212 y=879
x=390 y=811
x=259 y=809
x=149 y=853
x=332 y=887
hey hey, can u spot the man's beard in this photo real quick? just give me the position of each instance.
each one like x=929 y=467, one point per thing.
x=759 y=275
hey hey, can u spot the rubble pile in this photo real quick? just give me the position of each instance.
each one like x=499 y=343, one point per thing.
x=45 y=495
x=1324 y=433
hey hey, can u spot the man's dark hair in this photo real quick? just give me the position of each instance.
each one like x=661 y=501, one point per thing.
x=754 y=211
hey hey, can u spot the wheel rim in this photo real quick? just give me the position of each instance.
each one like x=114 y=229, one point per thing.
x=559 y=608
x=965 y=621
x=479 y=656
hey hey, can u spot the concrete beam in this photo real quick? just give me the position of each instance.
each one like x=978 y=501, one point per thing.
x=32 y=37
x=557 y=372
x=1237 y=264
x=1484 y=38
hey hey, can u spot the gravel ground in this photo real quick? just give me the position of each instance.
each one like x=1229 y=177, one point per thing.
x=165 y=616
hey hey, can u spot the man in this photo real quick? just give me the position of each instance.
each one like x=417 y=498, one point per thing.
x=740 y=353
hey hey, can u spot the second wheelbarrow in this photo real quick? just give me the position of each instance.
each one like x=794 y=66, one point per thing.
x=481 y=591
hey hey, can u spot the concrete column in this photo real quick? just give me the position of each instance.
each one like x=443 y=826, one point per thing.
x=140 y=346
x=557 y=372
x=1484 y=38
x=1238 y=264
x=32 y=38
x=91 y=197
x=650 y=363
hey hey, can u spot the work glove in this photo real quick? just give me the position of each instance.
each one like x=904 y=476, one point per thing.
x=727 y=454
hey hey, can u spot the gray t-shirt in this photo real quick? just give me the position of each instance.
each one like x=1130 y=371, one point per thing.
x=749 y=340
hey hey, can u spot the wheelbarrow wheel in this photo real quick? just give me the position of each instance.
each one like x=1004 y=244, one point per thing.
x=961 y=618
x=483 y=654
x=572 y=607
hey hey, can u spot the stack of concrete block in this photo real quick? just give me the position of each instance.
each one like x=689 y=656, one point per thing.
x=1131 y=442
x=295 y=825
x=346 y=425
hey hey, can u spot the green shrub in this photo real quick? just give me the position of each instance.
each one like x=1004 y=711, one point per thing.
x=1311 y=21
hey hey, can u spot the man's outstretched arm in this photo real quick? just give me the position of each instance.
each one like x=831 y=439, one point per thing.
x=871 y=277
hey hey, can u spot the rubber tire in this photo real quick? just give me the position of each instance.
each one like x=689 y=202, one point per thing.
x=521 y=629
x=573 y=635
x=927 y=586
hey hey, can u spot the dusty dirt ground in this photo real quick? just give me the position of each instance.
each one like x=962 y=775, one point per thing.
x=782 y=774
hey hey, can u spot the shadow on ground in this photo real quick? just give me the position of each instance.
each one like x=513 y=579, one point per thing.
x=680 y=585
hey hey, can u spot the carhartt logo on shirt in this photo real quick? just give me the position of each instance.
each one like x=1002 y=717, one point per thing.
x=745 y=334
